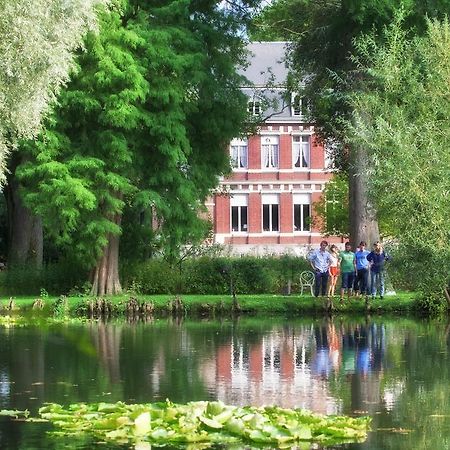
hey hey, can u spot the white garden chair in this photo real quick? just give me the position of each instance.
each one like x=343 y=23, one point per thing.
x=307 y=281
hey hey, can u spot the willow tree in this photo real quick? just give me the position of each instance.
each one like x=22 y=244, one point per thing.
x=323 y=33
x=401 y=117
x=145 y=121
x=37 y=42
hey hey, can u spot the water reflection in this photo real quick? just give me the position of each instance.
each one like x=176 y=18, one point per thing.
x=396 y=371
x=292 y=365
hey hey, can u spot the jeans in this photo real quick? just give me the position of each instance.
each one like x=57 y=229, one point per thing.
x=362 y=281
x=347 y=280
x=377 y=282
x=321 y=281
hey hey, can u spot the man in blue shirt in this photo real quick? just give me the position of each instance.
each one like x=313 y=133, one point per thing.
x=362 y=270
x=320 y=261
x=376 y=260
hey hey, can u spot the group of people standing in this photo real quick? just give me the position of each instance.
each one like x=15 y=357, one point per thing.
x=362 y=272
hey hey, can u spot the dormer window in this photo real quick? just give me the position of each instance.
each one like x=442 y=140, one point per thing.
x=299 y=105
x=254 y=108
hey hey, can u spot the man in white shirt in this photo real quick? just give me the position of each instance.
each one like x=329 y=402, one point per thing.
x=320 y=261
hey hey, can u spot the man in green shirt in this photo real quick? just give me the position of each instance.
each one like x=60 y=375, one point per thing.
x=348 y=270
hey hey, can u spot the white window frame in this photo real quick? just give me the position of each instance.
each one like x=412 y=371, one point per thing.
x=301 y=150
x=301 y=200
x=239 y=154
x=270 y=152
x=239 y=201
x=254 y=107
x=271 y=200
x=298 y=105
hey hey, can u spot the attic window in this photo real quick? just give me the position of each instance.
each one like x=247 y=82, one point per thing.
x=254 y=108
x=298 y=105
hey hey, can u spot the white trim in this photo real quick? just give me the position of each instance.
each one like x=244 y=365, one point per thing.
x=267 y=234
x=270 y=198
x=302 y=133
x=268 y=182
x=275 y=170
x=278 y=191
x=238 y=198
x=264 y=87
x=300 y=198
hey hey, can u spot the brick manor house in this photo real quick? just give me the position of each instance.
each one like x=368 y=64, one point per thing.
x=265 y=205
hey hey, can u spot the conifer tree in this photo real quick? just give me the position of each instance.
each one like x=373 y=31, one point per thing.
x=145 y=121
x=38 y=39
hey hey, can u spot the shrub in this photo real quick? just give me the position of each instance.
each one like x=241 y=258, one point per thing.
x=154 y=276
x=54 y=279
x=431 y=304
x=215 y=275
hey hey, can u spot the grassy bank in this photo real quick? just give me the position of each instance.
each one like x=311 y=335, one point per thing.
x=400 y=303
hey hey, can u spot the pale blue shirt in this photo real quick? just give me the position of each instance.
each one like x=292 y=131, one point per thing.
x=361 y=259
x=320 y=260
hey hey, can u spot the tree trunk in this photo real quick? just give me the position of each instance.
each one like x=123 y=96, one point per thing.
x=105 y=276
x=363 y=221
x=25 y=243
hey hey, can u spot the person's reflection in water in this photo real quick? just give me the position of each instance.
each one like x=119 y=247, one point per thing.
x=321 y=364
x=348 y=351
x=335 y=346
x=378 y=346
x=363 y=355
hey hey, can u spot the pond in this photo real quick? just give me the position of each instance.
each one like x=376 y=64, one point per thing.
x=395 y=370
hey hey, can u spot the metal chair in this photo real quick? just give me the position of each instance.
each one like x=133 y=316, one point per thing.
x=307 y=280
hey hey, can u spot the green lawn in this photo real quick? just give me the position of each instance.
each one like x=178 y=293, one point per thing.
x=220 y=304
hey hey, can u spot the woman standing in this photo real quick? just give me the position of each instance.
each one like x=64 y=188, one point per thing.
x=333 y=270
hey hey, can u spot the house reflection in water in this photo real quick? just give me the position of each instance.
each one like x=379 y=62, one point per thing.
x=292 y=367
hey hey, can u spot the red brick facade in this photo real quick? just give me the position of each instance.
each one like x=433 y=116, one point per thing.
x=288 y=189
x=266 y=204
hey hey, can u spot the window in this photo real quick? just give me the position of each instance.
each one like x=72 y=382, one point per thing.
x=239 y=215
x=301 y=149
x=299 y=105
x=238 y=153
x=254 y=108
x=302 y=212
x=270 y=212
x=269 y=151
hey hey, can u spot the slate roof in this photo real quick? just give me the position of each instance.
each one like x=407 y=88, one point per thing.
x=266 y=62
x=267 y=73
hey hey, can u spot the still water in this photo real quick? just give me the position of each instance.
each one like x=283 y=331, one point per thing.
x=397 y=371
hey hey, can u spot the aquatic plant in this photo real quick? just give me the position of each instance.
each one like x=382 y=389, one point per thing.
x=203 y=423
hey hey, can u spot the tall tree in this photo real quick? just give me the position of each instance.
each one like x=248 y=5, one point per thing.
x=146 y=120
x=37 y=42
x=401 y=116
x=322 y=34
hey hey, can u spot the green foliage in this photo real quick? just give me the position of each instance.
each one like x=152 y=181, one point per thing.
x=144 y=123
x=215 y=275
x=322 y=35
x=155 y=276
x=255 y=275
x=199 y=275
x=332 y=210
x=332 y=214
x=52 y=279
x=431 y=303
x=37 y=42
x=401 y=117
x=203 y=423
